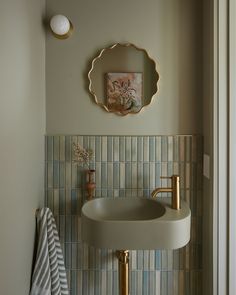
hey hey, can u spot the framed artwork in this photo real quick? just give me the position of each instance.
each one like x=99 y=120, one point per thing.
x=124 y=92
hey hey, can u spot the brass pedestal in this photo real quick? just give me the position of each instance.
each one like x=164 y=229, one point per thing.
x=123 y=257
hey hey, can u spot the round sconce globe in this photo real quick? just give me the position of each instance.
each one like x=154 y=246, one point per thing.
x=60 y=24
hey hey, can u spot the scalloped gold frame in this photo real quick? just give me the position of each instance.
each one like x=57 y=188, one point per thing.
x=93 y=66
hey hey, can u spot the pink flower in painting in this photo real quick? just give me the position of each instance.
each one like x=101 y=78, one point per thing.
x=124 y=91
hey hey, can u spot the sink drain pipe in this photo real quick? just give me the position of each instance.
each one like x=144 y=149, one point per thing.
x=123 y=258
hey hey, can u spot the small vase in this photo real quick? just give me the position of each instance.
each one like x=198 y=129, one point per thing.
x=90 y=185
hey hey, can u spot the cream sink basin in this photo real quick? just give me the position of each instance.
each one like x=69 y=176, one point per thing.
x=135 y=223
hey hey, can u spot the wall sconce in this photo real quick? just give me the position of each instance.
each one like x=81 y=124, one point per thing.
x=61 y=26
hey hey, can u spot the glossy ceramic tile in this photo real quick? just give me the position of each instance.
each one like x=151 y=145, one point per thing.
x=125 y=166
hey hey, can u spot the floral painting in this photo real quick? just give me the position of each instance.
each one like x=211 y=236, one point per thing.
x=124 y=92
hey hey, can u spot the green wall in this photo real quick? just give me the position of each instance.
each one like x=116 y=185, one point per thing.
x=22 y=126
x=171 y=31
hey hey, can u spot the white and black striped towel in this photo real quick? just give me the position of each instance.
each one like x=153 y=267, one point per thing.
x=49 y=275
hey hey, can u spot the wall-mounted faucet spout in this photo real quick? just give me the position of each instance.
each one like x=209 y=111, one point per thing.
x=174 y=189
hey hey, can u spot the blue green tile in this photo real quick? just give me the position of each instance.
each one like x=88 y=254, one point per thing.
x=62 y=174
x=182 y=148
x=140 y=259
x=116 y=149
x=170 y=282
x=128 y=149
x=152 y=282
x=139 y=281
x=74 y=201
x=86 y=142
x=104 y=175
x=187 y=283
x=56 y=202
x=152 y=259
x=109 y=175
x=74 y=175
x=98 y=258
x=98 y=175
x=56 y=174
x=115 y=288
x=61 y=229
x=176 y=149
x=79 y=255
x=134 y=149
x=68 y=201
x=158 y=175
x=116 y=174
x=68 y=228
x=121 y=148
x=50 y=199
x=74 y=255
x=170 y=170
x=74 y=229
x=81 y=175
x=62 y=146
x=164 y=283
x=146 y=149
x=104 y=193
x=97 y=148
x=104 y=148
x=128 y=176
x=188 y=148
x=56 y=148
x=85 y=283
x=50 y=174
x=68 y=148
x=146 y=175
x=176 y=259
x=164 y=149
x=140 y=149
x=110 y=149
x=140 y=175
x=73 y=282
x=152 y=149
x=145 y=260
x=49 y=148
x=62 y=202
x=68 y=174
x=109 y=282
x=133 y=282
x=170 y=148
x=68 y=255
x=158 y=148
x=146 y=283
x=122 y=193
x=164 y=260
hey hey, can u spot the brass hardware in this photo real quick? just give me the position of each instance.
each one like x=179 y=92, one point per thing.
x=174 y=189
x=101 y=100
x=123 y=257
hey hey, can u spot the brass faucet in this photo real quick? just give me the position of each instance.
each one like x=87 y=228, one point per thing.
x=174 y=189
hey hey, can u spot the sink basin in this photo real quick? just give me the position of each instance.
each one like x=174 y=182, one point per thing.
x=135 y=223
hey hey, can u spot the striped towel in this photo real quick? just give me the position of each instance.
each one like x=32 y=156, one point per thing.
x=49 y=275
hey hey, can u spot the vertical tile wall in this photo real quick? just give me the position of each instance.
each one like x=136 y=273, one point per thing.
x=126 y=166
